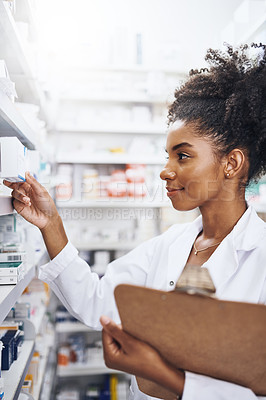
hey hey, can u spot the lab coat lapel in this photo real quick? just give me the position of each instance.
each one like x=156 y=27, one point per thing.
x=223 y=263
x=245 y=236
x=180 y=249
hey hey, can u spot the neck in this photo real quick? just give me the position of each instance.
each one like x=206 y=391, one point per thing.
x=219 y=220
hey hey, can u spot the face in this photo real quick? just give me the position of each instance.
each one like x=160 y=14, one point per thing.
x=193 y=174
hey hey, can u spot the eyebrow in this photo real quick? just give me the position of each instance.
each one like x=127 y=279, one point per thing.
x=177 y=146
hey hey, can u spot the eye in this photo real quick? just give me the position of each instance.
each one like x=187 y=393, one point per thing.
x=182 y=156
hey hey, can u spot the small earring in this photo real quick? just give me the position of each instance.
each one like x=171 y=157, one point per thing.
x=227 y=174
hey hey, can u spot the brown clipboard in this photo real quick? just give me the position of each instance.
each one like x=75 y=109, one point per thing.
x=221 y=339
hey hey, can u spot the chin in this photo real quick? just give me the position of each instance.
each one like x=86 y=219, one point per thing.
x=183 y=206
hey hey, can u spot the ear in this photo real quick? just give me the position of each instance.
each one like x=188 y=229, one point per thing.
x=234 y=163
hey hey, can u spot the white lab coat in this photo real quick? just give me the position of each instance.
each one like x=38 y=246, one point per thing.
x=237 y=267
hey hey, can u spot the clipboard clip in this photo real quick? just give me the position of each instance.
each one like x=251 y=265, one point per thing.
x=196 y=280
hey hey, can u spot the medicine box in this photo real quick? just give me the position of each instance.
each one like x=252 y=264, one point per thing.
x=12 y=257
x=13 y=157
x=11 y=269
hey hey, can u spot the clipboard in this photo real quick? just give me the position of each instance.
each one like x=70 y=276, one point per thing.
x=222 y=339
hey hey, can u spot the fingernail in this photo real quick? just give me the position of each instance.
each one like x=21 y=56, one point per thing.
x=26 y=199
x=105 y=320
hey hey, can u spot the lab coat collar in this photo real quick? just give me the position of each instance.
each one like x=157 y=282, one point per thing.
x=223 y=263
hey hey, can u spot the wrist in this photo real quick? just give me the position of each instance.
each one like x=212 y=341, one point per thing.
x=53 y=223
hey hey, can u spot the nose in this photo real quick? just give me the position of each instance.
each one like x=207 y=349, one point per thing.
x=167 y=174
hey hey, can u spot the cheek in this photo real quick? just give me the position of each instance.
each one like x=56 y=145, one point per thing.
x=201 y=181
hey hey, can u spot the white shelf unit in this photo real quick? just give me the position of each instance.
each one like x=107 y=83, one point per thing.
x=6 y=205
x=127 y=246
x=85 y=370
x=14 y=378
x=144 y=129
x=109 y=159
x=9 y=294
x=117 y=99
x=71 y=327
x=13 y=124
x=42 y=368
x=14 y=53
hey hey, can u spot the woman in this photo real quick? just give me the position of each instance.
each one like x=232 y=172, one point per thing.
x=216 y=145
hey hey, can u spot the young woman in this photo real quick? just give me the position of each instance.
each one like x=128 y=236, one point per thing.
x=216 y=145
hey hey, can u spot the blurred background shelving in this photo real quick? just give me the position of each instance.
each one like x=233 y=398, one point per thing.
x=92 y=100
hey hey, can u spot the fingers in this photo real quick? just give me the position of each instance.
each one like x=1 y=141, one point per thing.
x=21 y=196
x=111 y=327
x=116 y=332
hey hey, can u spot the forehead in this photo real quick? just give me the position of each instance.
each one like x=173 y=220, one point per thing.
x=179 y=132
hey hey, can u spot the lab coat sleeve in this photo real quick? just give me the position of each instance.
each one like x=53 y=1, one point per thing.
x=82 y=292
x=205 y=388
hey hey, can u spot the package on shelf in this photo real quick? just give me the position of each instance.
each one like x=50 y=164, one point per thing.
x=6 y=85
x=136 y=178
x=11 y=272
x=20 y=310
x=94 y=353
x=27 y=386
x=2 y=388
x=36 y=293
x=12 y=341
x=73 y=351
x=64 y=185
x=117 y=186
x=63 y=315
x=90 y=184
x=11 y=256
x=33 y=370
x=13 y=159
x=72 y=393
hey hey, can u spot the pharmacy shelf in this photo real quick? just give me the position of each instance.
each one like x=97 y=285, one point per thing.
x=114 y=246
x=6 y=206
x=129 y=129
x=113 y=203
x=116 y=98
x=14 y=378
x=13 y=50
x=9 y=294
x=85 y=370
x=42 y=367
x=131 y=68
x=110 y=159
x=71 y=327
x=12 y=123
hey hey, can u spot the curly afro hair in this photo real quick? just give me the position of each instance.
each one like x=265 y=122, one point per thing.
x=227 y=103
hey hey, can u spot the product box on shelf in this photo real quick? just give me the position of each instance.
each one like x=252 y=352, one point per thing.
x=11 y=273
x=7 y=257
x=13 y=156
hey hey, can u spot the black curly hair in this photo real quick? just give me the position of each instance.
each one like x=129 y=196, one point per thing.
x=227 y=103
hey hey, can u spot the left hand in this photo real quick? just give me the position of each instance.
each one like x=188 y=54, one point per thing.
x=124 y=352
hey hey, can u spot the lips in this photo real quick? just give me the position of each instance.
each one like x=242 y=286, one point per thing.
x=172 y=191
